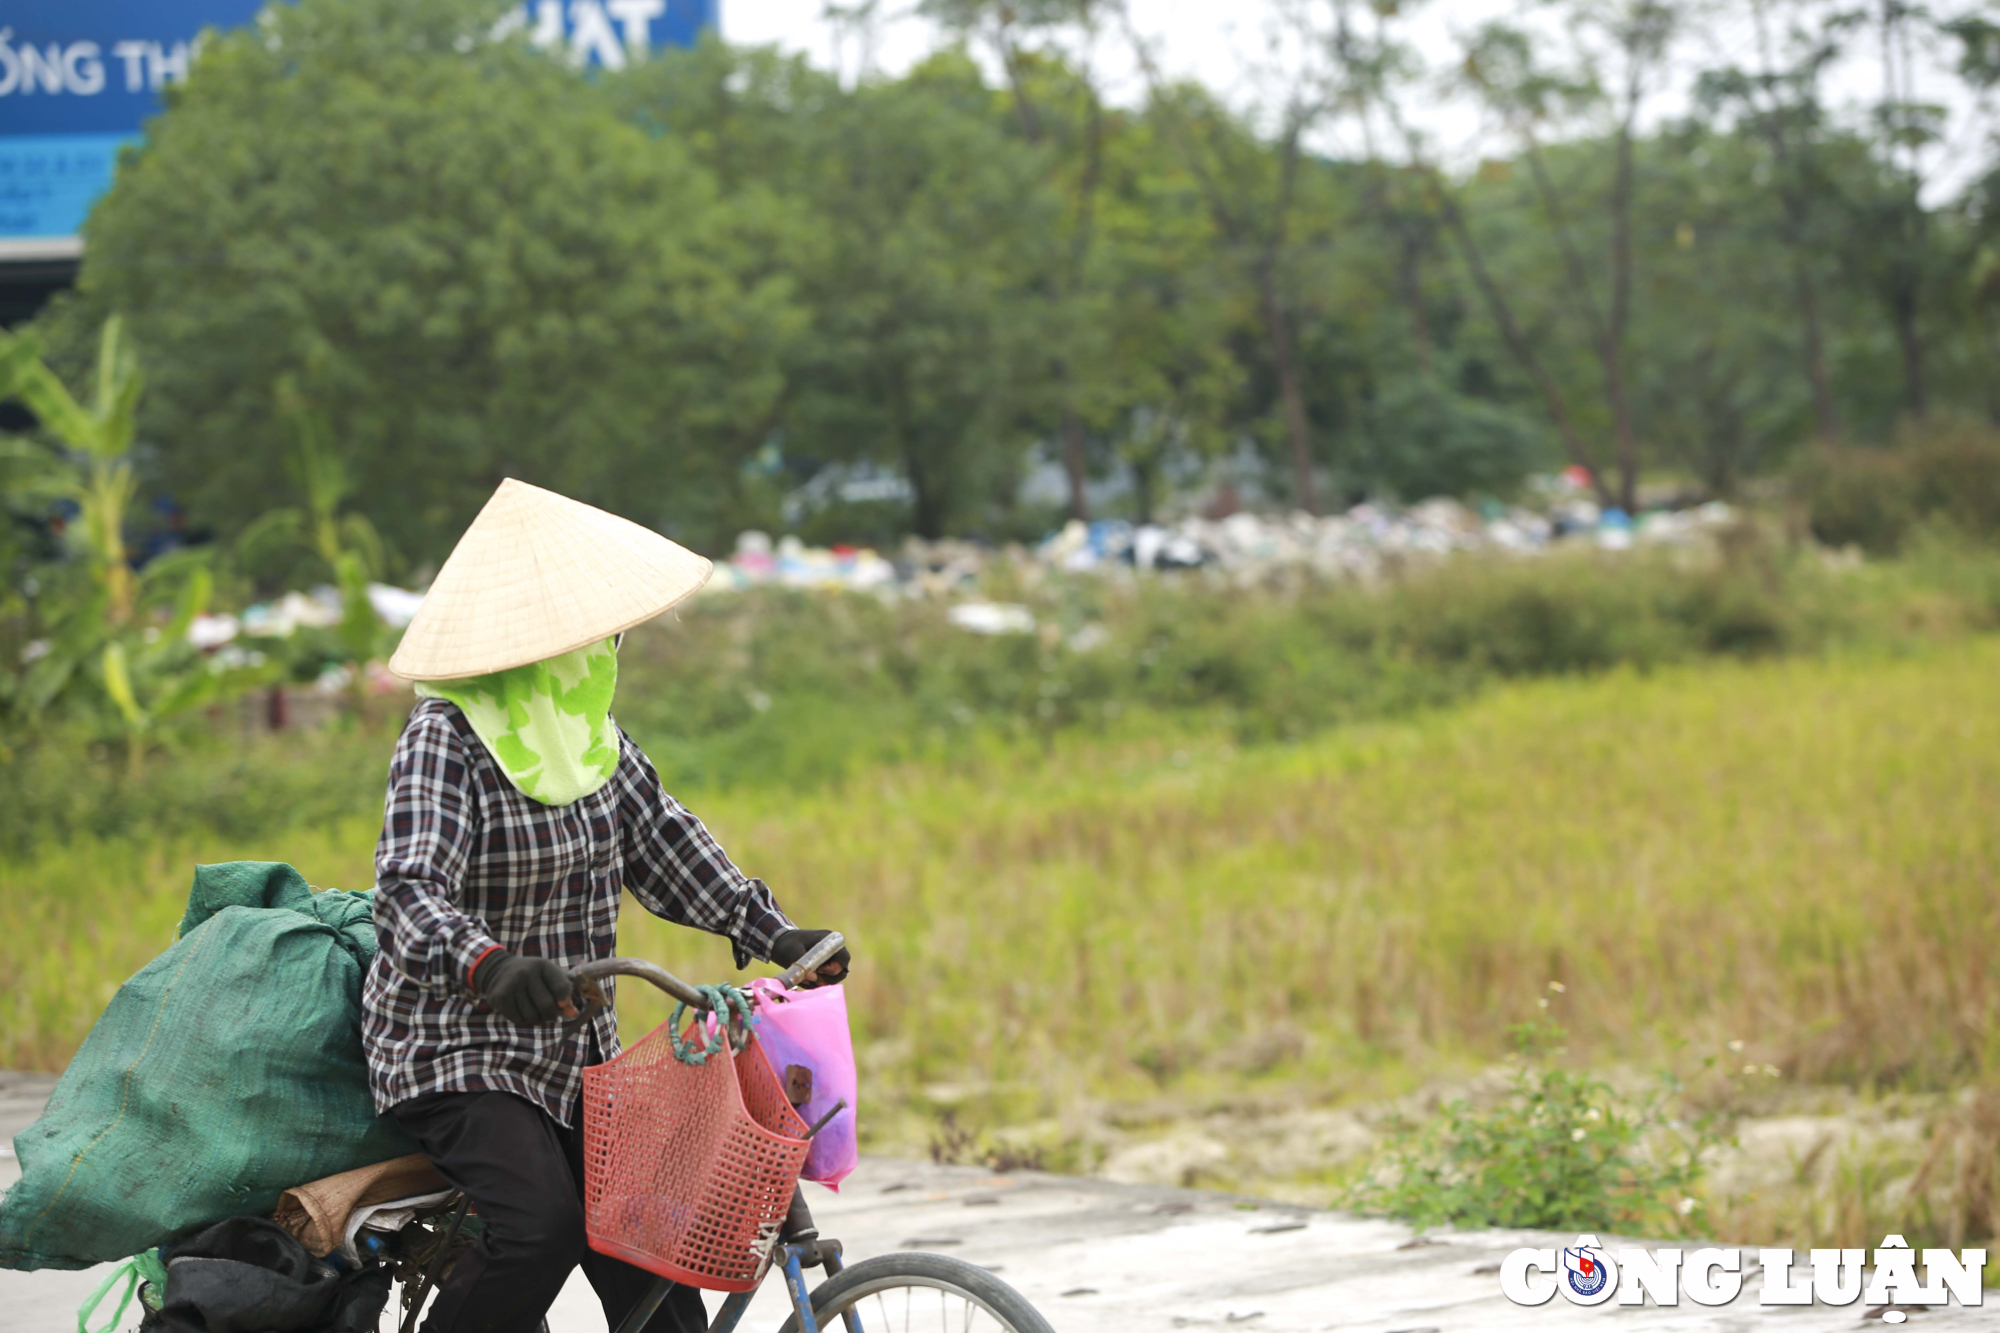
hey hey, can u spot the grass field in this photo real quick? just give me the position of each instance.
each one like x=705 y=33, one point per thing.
x=1799 y=855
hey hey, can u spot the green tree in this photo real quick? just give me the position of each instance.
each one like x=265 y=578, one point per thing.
x=1167 y=382
x=1252 y=191
x=1777 y=103
x=928 y=335
x=457 y=248
x=1617 y=65
x=1058 y=108
x=916 y=232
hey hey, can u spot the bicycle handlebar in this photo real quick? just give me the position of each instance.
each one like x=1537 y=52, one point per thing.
x=587 y=976
x=810 y=963
x=645 y=971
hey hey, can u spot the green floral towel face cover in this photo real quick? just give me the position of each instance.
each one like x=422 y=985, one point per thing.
x=548 y=724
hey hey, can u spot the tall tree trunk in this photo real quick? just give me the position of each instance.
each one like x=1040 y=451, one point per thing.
x=1070 y=280
x=1604 y=328
x=928 y=510
x=1073 y=469
x=1905 y=291
x=1410 y=285
x=1798 y=206
x=1825 y=414
x=1291 y=394
x=1620 y=318
x=1239 y=229
x=1992 y=346
x=1518 y=343
x=1409 y=236
x=1903 y=305
x=930 y=501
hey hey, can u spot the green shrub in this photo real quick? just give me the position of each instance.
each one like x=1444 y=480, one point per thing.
x=1560 y=1151
x=1956 y=464
x=60 y=786
x=794 y=690
x=1858 y=497
x=1939 y=468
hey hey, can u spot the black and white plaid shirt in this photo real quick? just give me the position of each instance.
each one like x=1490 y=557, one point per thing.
x=468 y=864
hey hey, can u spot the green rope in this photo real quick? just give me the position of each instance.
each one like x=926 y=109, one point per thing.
x=144 y=1267
x=727 y=1003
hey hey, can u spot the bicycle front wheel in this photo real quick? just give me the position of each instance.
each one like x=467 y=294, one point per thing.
x=920 y=1293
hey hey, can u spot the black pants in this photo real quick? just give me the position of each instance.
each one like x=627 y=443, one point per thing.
x=524 y=1173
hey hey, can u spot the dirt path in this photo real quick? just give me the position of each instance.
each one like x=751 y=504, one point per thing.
x=1101 y=1257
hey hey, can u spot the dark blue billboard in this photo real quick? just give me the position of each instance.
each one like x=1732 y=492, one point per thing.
x=78 y=78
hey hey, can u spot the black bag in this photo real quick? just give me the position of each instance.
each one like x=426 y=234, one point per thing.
x=250 y=1275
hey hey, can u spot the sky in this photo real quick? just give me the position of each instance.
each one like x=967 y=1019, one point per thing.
x=1223 y=43
x=1219 y=42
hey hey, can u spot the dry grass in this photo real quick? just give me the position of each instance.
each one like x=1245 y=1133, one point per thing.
x=1850 y=1169
x=1799 y=855
x=1802 y=855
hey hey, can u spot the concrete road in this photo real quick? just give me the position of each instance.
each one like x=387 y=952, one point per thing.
x=1102 y=1258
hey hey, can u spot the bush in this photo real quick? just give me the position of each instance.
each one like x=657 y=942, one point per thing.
x=1939 y=469
x=60 y=786
x=1956 y=466
x=1561 y=1151
x=787 y=686
x=795 y=690
x=1858 y=497
x=1426 y=440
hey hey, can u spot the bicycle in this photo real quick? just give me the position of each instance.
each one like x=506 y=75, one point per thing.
x=893 y=1291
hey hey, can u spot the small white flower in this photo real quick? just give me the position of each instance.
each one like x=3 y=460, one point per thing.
x=1557 y=987
x=1593 y=1114
x=1736 y=1045
x=1749 y=1069
x=1576 y=1135
x=1686 y=1206
x=1543 y=1002
x=1771 y=1071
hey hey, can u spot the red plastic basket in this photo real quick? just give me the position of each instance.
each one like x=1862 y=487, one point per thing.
x=688 y=1170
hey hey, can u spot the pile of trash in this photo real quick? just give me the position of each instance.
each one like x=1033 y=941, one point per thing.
x=234 y=642
x=282 y=617
x=1360 y=544
x=793 y=564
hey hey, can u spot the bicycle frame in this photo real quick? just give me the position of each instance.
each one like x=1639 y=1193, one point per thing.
x=793 y=1257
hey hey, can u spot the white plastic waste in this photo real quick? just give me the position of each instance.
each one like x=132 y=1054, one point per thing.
x=992 y=618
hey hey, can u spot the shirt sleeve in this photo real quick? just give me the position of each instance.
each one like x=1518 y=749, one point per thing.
x=675 y=869
x=428 y=832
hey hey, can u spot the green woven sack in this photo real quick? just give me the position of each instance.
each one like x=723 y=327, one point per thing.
x=228 y=1070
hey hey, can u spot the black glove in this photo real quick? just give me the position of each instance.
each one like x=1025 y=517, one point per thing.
x=525 y=990
x=792 y=945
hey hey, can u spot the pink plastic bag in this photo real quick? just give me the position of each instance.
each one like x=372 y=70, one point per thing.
x=808 y=1029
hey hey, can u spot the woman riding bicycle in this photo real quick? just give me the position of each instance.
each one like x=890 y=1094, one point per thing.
x=517 y=810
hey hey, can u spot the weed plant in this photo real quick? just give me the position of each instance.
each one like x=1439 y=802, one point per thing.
x=1559 y=1151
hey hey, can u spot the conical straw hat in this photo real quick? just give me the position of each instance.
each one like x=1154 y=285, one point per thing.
x=538 y=574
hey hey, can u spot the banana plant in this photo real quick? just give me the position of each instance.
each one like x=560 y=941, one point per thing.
x=345 y=543
x=145 y=668
x=102 y=436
